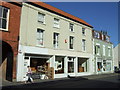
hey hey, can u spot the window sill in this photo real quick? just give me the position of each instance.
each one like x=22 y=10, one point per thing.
x=41 y=23
x=71 y=49
x=40 y=46
x=56 y=27
x=4 y=30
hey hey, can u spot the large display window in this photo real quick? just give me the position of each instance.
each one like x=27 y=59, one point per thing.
x=82 y=65
x=59 y=65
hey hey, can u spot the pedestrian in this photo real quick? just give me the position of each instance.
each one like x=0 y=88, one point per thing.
x=29 y=75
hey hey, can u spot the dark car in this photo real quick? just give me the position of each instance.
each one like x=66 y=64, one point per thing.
x=117 y=70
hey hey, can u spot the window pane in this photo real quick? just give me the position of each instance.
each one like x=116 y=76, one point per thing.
x=0 y=23
x=5 y=11
x=4 y=22
x=0 y=11
x=41 y=17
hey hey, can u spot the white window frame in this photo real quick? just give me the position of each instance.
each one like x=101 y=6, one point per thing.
x=42 y=18
x=71 y=42
x=102 y=37
x=109 y=51
x=96 y=34
x=40 y=37
x=103 y=50
x=56 y=40
x=107 y=38
x=83 y=31
x=7 y=19
x=71 y=27
x=98 y=47
x=83 y=45
x=56 y=23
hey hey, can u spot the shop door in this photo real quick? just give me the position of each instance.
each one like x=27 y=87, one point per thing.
x=71 y=65
x=26 y=63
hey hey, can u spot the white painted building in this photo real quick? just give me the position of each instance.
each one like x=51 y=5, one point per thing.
x=117 y=56
x=51 y=37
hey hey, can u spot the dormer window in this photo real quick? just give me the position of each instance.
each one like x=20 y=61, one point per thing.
x=107 y=38
x=96 y=35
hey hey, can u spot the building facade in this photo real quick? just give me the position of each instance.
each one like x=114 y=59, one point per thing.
x=9 y=35
x=116 y=56
x=53 y=38
x=103 y=53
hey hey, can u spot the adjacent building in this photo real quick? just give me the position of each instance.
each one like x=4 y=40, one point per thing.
x=9 y=36
x=103 y=52
x=116 y=56
x=53 y=38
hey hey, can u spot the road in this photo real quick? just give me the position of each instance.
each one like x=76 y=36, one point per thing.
x=78 y=82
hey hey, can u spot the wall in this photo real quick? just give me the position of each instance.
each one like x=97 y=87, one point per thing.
x=29 y=27
x=11 y=36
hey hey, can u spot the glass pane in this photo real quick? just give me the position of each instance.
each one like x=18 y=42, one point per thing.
x=4 y=23
x=70 y=67
x=0 y=11
x=5 y=11
x=0 y=23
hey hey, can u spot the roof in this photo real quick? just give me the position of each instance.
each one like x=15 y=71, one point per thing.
x=56 y=10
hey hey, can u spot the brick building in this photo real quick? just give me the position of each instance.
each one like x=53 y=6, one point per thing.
x=9 y=37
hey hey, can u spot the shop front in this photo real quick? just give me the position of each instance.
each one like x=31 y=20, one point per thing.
x=40 y=66
x=103 y=66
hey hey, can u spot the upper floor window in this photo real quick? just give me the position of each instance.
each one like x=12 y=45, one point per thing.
x=41 y=18
x=104 y=50
x=71 y=40
x=83 y=31
x=83 y=44
x=97 y=49
x=40 y=37
x=71 y=27
x=4 y=18
x=56 y=23
x=55 y=40
x=109 y=51
x=96 y=35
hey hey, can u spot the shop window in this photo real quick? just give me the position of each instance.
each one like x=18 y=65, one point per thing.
x=82 y=65
x=108 y=66
x=99 y=66
x=59 y=65
x=104 y=65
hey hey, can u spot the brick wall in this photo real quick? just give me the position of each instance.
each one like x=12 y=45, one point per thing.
x=11 y=36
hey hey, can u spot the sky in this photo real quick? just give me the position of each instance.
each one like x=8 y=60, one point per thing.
x=101 y=15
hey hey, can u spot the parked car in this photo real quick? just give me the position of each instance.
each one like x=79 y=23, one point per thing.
x=117 y=70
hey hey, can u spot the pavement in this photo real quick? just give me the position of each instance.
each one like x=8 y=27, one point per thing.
x=7 y=83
